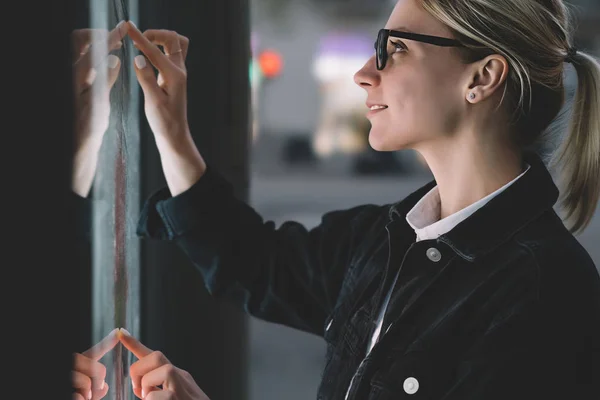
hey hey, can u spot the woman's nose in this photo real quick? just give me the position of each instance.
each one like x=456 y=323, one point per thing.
x=367 y=75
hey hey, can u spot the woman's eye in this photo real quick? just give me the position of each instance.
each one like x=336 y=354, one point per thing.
x=398 y=47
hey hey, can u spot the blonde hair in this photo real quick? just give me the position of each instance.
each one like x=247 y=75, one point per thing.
x=534 y=36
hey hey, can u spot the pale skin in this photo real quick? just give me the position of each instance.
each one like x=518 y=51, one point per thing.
x=153 y=377
x=426 y=88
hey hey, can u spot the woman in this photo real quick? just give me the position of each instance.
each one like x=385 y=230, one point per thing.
x=469 y=288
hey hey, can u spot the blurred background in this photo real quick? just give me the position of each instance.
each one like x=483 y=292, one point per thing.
x=310 y=153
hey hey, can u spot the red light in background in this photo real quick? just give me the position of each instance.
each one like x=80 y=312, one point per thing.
x=271 y=63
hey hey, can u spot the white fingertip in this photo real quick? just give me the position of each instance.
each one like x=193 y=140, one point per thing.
x=140 y=61
x=112 y=61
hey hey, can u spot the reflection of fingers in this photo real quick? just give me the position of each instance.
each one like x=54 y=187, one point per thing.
x=90 y=368
x=160 y=395
x=113 y=62
x=82 y=383
x=104 y=346
x=78 y=396
x=94 y=54
x=82 y=38
x=84 y=73
x=99 y=394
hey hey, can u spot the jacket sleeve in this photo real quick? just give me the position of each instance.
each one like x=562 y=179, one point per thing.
x=287 y=275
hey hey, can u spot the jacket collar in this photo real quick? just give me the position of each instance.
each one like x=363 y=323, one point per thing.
x=495 y=222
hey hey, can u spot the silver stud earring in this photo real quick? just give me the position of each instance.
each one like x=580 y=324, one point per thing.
x=471 y=96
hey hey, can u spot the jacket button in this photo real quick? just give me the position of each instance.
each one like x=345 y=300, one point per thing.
x=434 y=254
x=411 y=385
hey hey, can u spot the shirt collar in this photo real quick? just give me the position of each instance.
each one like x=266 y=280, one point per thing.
x=424 y=217
x=522 y=201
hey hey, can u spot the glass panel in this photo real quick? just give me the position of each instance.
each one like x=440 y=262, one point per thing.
x=115 y=191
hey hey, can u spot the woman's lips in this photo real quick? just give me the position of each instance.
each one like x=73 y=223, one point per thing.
x=376 y=109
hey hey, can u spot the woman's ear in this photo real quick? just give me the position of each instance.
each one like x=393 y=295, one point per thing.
x=488 y=75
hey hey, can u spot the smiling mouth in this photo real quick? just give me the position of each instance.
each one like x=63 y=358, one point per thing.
x=378 y=107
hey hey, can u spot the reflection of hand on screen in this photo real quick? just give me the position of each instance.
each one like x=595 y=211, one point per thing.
x=153 y=369
x=88 y=373
x=94 y=74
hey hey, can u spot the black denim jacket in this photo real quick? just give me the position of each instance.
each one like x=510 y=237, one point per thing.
x=511 y=309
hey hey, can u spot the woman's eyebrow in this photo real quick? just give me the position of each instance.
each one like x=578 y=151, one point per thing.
x=402 y=29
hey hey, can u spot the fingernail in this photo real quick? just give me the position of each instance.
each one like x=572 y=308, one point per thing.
x=143 y=393
x=90 y=395
x=103 y=384
x=91 y=76
x=133 y=24
x=125 y=331
x=112 y=61
x=140 y=62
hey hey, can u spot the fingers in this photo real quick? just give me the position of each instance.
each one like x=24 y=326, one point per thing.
x=133 y=345
x=152 y=52
x=104 y=346
x=147 y=79
x=82 y=384
x=161 y=395
x=158 y=376
x=145 y=365
x=148 y=359
x=175 y=45
x=78 y=396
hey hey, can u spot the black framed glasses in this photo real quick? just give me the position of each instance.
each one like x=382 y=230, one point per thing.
x=382 y=49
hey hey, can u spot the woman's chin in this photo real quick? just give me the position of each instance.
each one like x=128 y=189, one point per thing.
x=382 y=142
x=379 y=142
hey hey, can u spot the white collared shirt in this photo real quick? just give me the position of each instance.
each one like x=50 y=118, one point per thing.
x=424 y=218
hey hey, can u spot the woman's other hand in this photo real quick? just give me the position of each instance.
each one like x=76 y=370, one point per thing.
x=88 y=374
x=153 y=369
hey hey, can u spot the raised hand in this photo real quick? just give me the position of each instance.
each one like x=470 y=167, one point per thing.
x=153 y=369
x=165 y=103
x=166 y=94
